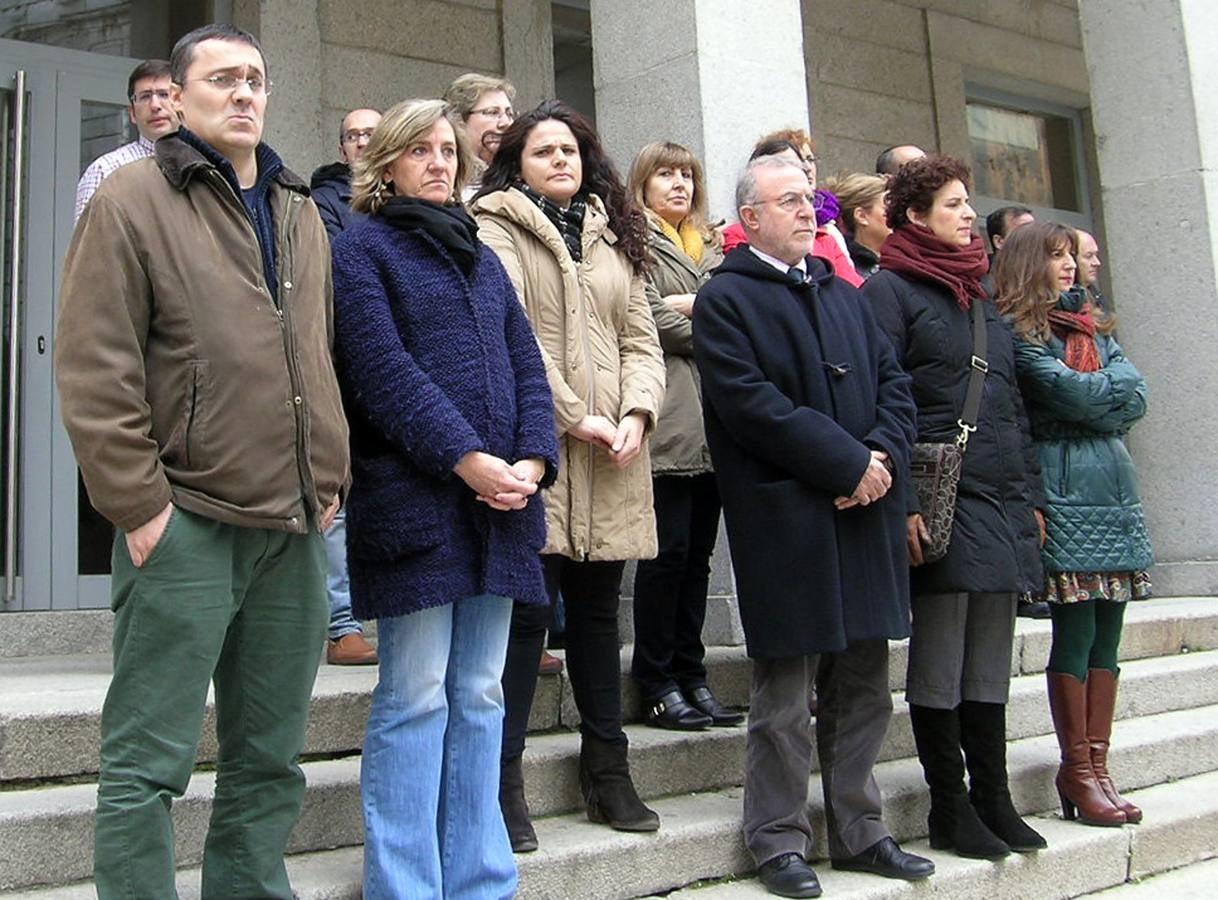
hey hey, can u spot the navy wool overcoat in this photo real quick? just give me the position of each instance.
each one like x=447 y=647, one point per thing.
x=799 y=385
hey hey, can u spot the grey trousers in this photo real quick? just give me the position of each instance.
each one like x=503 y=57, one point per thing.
x=960 y=649
x=854 y=706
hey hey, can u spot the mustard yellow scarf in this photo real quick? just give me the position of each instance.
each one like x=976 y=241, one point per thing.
x=688 y=238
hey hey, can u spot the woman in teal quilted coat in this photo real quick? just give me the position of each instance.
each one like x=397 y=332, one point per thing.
x=1082 y=396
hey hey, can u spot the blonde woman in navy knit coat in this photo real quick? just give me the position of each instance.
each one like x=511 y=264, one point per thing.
x=452 y=435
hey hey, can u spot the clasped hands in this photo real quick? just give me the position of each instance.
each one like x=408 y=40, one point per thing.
x=872 y=486
x=499 y=484
x=623 y=442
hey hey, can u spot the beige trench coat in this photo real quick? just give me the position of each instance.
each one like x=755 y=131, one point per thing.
x=602 y=357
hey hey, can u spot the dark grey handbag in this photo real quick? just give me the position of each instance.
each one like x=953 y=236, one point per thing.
x=935 y=468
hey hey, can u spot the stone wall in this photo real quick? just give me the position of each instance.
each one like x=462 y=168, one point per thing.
x=883 y=72
x=330 y=56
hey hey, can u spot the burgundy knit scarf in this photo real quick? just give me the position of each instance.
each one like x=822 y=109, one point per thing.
x=1077 y=330
x=914 y=250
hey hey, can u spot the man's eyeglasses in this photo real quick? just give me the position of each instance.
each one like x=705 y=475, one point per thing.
x=355 y=135
x=256 y=83
x=496 y=112
x=146 y=97
x=791 y=202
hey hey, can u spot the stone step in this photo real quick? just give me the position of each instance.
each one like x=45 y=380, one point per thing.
x=1180 y=827
x=1190 y=882
x=50 y=706
x=663 y=763
x=1165 y=763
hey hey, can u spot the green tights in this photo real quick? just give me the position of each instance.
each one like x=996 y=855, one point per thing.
x=1086 y=636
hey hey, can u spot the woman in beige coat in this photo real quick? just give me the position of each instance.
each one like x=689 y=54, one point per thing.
x=670 y=591
x=554 y=209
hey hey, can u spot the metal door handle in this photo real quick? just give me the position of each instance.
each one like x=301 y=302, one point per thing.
x=12 y=411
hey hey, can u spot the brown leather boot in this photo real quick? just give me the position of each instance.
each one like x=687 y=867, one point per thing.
x=1101 y=703
x=1077 y=786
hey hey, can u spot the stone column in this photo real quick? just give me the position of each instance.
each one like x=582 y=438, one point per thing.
x=528 y=50
x=1152 y=71
x=713 y=75
x=291 y=38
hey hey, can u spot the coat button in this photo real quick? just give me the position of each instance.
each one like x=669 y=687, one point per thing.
x=297 y=400
x=293 y=520
x=287 y=285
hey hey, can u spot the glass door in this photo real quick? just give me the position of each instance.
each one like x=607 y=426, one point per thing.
x=74 y=109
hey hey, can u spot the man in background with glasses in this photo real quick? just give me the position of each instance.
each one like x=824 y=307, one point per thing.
x=152 y=116
x=331 y=183
x=193 y=359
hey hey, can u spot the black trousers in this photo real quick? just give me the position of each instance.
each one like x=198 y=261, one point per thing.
x=590 y=591
x=670 y=590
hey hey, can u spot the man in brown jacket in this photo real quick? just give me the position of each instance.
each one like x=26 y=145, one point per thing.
x=194 y=370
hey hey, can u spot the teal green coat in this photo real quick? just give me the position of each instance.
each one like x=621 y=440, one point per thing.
x=1078 y=420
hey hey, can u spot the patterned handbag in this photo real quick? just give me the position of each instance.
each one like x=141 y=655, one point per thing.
x=935 y=468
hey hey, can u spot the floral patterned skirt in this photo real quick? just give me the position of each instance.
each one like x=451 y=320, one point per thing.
x=1076 y=587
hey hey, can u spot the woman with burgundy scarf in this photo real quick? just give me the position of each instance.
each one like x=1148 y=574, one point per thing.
x=928 y=297
x=1082 y=397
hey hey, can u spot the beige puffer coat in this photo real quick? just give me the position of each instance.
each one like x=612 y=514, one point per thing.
x=678 y=446
x=602 y=357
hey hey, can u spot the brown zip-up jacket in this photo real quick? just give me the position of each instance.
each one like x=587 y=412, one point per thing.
x=180 y=378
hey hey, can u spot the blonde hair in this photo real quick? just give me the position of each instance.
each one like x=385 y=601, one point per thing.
x=855 y=191
x=656 y=156
x=402 y=125
x=465 y=90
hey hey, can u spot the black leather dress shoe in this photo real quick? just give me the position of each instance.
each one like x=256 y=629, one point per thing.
x=789 y=875
x=671 y=711
x=887 y=859
x=707 y=703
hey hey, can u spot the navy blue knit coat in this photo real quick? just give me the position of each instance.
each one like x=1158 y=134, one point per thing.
x=433 y=365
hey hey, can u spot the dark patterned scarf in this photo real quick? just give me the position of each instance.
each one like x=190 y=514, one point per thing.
x=569 y=221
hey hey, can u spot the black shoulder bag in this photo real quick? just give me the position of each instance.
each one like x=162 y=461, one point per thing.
x=935 y=468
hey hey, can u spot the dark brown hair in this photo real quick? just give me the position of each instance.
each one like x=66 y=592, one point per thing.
x=915 y=183
x=149 y=68
x=1023 y=286
x=600 y=177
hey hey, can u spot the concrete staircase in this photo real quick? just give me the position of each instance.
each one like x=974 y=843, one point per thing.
x=1165 y=753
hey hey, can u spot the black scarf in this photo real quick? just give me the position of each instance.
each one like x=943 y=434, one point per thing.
x=569 y=221
x=450 y=225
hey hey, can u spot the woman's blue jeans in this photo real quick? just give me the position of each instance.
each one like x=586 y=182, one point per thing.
x=430 y=774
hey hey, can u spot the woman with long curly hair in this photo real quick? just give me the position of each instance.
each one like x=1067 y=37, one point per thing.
x=928 y=297
x=1082 y=397
x=574 y=244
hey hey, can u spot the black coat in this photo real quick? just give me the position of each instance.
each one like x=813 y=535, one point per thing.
x=799 y=385
x=331 y=190
x=995 y=538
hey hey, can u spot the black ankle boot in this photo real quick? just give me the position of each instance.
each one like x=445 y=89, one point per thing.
x=608 y=792
x=515 y=808
x=953 y=823
x=983 y=734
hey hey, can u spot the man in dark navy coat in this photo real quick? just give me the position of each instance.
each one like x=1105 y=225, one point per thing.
x=809 y=419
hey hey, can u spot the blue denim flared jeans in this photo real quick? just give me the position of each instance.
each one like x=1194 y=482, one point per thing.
x=430 y=773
